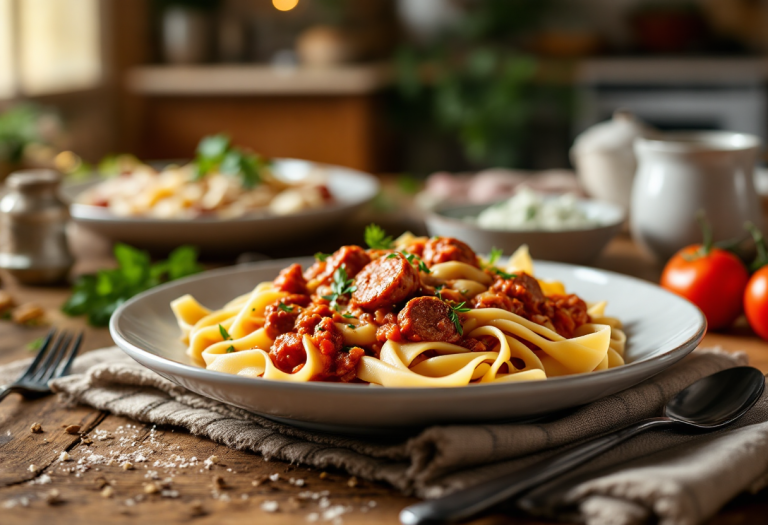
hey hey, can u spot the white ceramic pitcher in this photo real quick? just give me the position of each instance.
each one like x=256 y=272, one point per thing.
x=679 y=174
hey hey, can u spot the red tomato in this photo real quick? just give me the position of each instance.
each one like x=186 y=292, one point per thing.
x=756 y=302
x=713 y=281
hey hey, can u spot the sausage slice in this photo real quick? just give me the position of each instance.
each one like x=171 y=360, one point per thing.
x=386 y=281
x=445 y=249
x=427 y=319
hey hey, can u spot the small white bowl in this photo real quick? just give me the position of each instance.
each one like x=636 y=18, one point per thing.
x=575 y=246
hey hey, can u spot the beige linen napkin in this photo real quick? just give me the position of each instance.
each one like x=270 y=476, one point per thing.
x=677 y=479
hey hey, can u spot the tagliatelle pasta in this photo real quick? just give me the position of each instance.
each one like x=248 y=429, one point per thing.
x=416 y=313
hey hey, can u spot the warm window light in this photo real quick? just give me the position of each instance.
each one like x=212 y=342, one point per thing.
x=285 y=5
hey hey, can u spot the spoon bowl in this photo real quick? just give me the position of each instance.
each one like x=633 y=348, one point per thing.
x=717 y=400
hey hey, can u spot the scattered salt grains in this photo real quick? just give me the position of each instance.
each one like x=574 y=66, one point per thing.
x=130 y=502
x=244 y=497
x=16 y=502
x=42 y=480
x=169 y=493
x=64 y=456
x=324 y=503
x=270 y=506
x=313 y=517
x=274 y=477
x=210 y=462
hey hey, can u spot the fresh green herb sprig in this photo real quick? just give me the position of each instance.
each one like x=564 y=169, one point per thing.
x=453 y=312
x=230 y=349
x=410 y=257
x=320 y=256
x=495 y=255
x=216 y=152
x=285 y=308
x=341 y=286
x=99 y=295
x=224 y=334
x=377 y=239
x=36 y=344
x=501 y=273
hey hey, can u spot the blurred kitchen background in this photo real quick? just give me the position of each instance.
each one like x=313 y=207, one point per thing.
x=385 y=86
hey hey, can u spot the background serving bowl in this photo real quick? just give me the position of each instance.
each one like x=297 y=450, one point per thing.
x=576 y=246
x=350 y=188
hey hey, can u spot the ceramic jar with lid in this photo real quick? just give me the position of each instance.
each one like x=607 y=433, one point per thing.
x=33 y=244
x=604 y=159
x=682 y=174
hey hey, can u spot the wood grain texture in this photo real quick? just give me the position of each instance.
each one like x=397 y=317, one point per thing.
x=191 y=494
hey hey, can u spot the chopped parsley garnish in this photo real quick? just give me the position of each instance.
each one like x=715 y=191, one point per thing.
x=453 y=315
x=351 y=326
x=503 y=274
x=410 y=258
x=341 y=286
x=230 y=349
x=284 y=307
x=224 y=334
x=348 y=316
x=320 y=256
x=464 y=291
x=494 y=256
x=376 y=238
x=215 y=152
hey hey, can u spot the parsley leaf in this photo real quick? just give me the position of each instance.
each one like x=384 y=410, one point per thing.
x=503 y=274
x=376 y=238
x=99 y=295
x=410 y=258
x=341 y=286
x=35 y=345
x=215 y=152
x=351 y=326
x=348 y=316
x=224 y=334
x=494 y=256
x=284 y=307
x=230 y=349
x=320 y=256
x=453 y=315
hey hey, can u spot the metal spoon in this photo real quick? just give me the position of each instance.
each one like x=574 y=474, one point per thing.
x=709 y=403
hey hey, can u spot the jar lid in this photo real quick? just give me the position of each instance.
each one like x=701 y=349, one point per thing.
x=619 y=133
x=33 y=178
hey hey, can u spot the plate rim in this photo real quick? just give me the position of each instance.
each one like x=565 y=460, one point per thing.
x=199 y=373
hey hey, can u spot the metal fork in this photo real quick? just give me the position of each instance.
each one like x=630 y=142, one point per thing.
x=56 y=349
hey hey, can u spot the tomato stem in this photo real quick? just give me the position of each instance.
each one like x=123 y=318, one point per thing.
x=706 y=246
x=762 y=250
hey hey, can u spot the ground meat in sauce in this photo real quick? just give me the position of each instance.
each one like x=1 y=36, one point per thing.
x=384 y=282
x=311 y=317
x=281 y=320
x=353 y=258
x=523 y=296
x=291 y=280
x=445 y=249
x=287 y=352
x=326 y=337
x=427 y=319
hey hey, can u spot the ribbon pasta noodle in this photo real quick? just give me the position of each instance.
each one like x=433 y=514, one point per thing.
x=404 y=317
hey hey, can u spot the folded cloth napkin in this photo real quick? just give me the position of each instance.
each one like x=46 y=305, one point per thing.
x=662 y=476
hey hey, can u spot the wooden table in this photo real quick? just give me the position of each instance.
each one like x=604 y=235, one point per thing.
x=107 y=493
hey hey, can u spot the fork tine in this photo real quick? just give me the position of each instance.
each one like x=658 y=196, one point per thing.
x=49 y=373
x=52 y=356
x=40 y=354
x=71 y=357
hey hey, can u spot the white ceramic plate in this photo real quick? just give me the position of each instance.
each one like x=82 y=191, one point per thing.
x=350 y=188
x=661 y=328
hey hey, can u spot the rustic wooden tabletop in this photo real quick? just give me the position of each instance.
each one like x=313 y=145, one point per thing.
x=35 y=487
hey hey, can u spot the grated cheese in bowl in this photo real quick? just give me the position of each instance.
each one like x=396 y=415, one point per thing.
x=529 y=210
